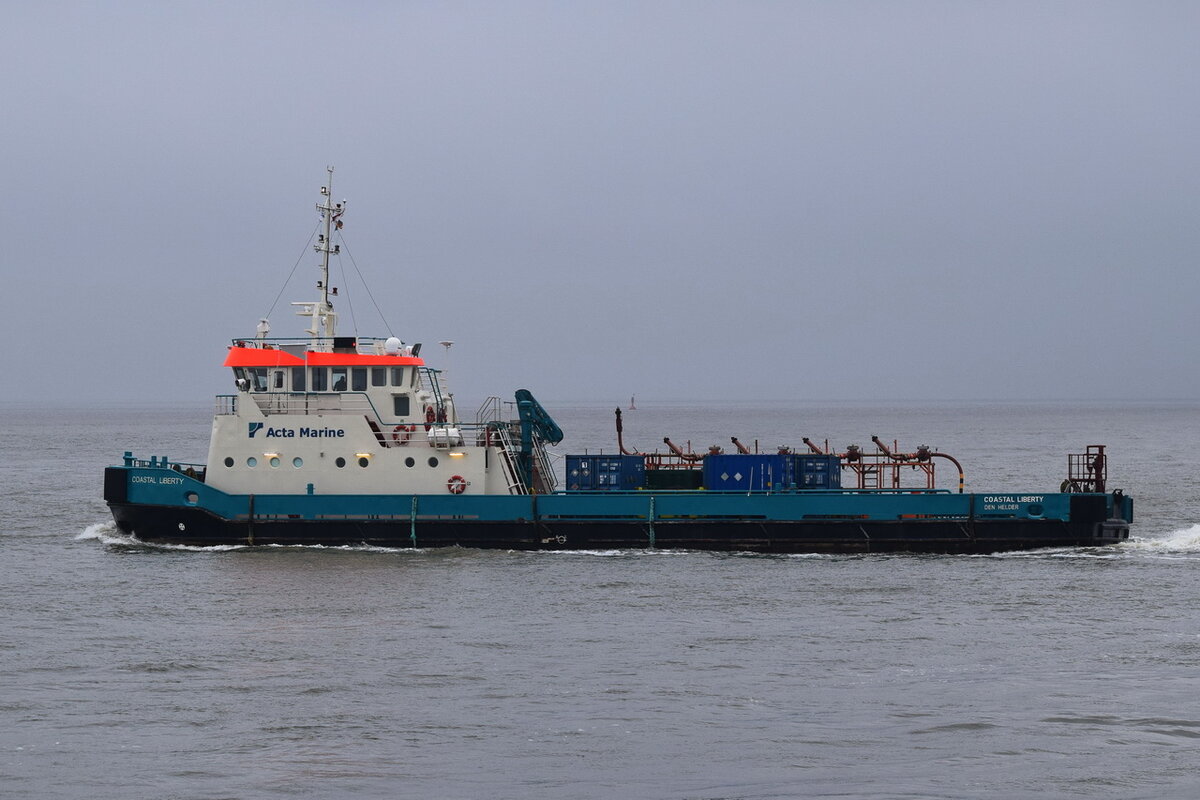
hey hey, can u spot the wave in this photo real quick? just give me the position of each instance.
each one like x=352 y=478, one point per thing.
x=1182 y=541
x=108 y=533
x=105 y=532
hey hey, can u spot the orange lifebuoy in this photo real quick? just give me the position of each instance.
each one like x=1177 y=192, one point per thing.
x=430 y=417
x=457 y=484
x=403 y=433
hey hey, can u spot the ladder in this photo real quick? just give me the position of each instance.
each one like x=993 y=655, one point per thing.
x=508 y=458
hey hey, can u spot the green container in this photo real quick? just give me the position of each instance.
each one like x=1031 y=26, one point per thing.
x=674 y=478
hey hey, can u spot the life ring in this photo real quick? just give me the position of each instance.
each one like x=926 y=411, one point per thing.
x=402 y=434
x=457 y=484
x=430 y=417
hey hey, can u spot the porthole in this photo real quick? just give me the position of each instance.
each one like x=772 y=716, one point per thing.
x=363 y=461
x=229 y=461
x=410 y=462
x=191 y=498
x=297 y=462
x=274 y=461
x=341 y=462
x=1035 y=509
x=251 y=462
x=433 y=462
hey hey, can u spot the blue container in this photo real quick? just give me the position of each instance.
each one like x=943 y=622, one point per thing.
x=606 y=473
x=814 y=471
x=753 y=472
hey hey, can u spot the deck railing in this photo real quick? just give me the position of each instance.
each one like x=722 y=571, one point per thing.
x=365 y=345
x=226 y=405
x=356 y=403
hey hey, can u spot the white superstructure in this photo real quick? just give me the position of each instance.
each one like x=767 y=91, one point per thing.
x=331 y=414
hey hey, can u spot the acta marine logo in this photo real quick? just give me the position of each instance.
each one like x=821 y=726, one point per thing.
x=254 y=428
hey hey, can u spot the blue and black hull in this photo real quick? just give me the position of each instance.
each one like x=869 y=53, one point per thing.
x=161 y=506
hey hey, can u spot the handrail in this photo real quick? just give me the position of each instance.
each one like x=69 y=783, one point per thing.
x=545 y=468
x=429 y=379
x=156 y=462
x=374 y=345
x=284 y=403
x=508 y=459
x=489 y=411
x=226 y=405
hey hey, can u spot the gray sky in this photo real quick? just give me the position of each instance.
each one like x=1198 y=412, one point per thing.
x=682 y=200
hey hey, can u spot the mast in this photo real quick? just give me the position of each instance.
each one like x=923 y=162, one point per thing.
x=324 y=319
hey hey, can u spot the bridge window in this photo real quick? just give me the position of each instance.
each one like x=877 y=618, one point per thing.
x=358 y=379
x=320 y=379
x=379 y=376
x=297 y=379
x=400 y=406
x=397 y=376
x=278 y=379
x=258 y=379
x=339 y=379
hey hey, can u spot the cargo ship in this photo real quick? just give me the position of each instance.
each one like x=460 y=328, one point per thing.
x=348 y=440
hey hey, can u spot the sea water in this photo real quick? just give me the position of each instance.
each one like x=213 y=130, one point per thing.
x=131 y=671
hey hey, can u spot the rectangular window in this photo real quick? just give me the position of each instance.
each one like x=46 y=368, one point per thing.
x=358 y=379
x=278 y=379
x=400 y=405
x=379 y=376
x=320 y=379
x=338 y=378
x=259 y=375
x=397 y=376
x=297 y=379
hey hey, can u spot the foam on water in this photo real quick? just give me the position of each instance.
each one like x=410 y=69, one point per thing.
x=349 y=548
x=617 y=552
x=1180 y=543
x=1177 y=542
x=105 y=532
x=108 y=533
x=1054 y=552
